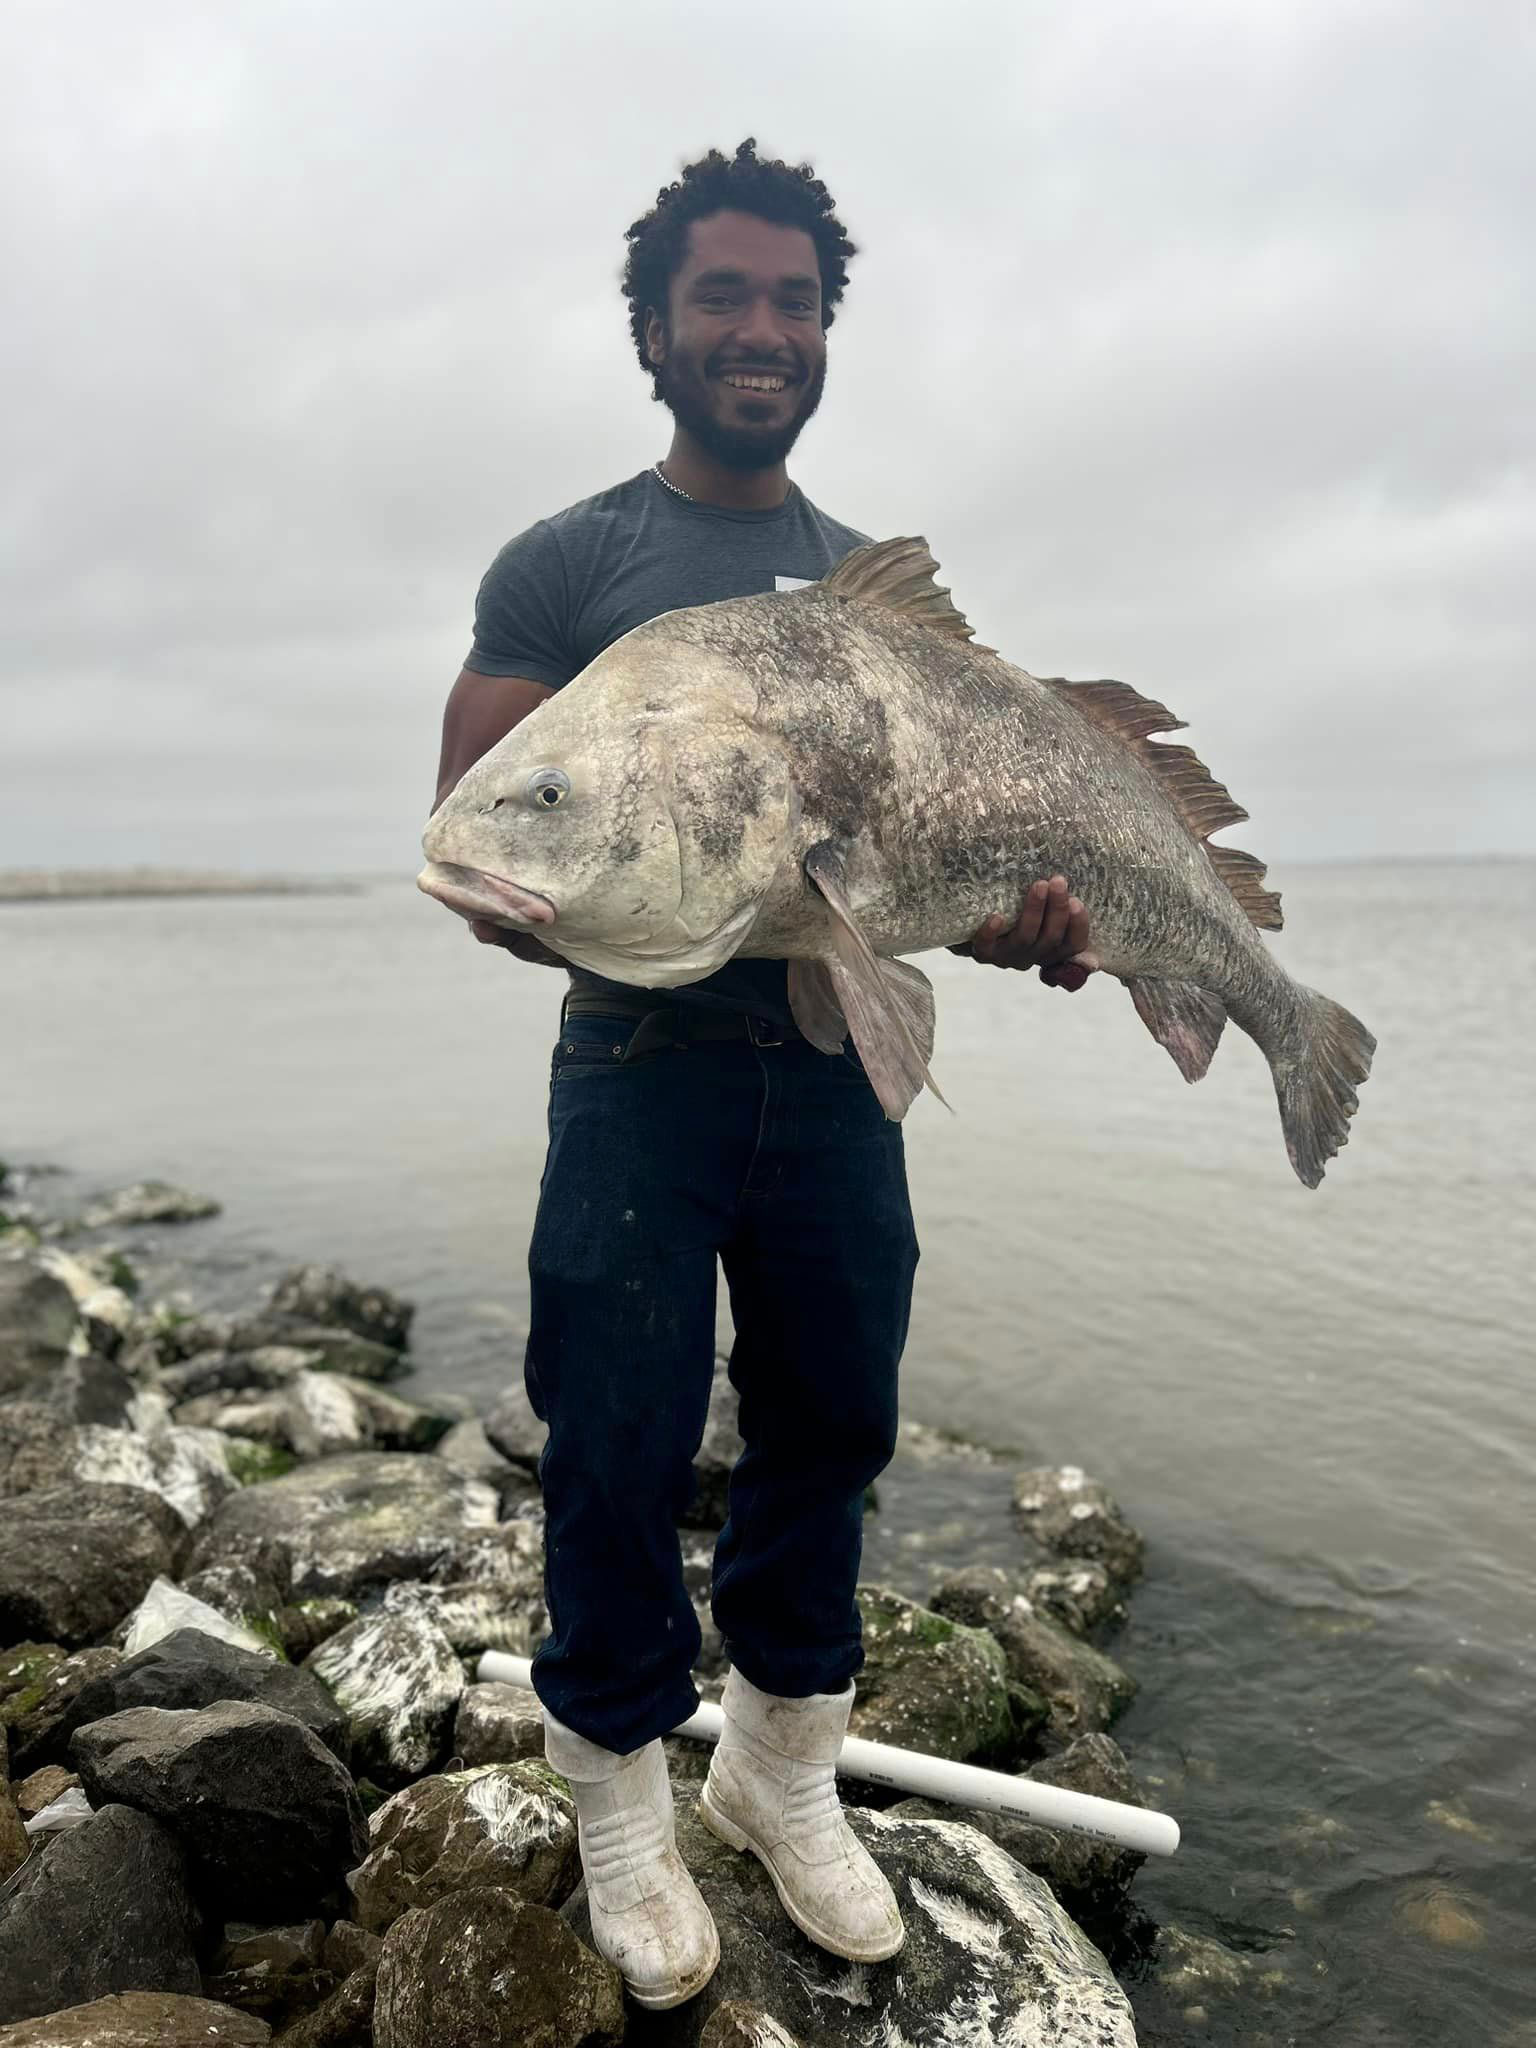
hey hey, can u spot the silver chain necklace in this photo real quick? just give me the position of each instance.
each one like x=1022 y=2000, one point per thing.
x=676 y=489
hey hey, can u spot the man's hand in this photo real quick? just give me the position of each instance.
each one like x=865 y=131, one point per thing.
x=1050 y=932
x=523 y=944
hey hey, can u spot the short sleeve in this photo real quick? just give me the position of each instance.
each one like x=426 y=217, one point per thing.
x=521 y=613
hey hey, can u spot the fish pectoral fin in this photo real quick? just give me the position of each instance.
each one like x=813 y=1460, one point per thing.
x=1183 y=1017
x=888 y=1004
x=814 y=1004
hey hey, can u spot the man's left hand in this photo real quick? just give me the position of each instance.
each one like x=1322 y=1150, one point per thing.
x=1050 y=932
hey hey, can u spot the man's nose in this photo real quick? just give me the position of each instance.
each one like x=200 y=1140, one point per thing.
x=762 y=329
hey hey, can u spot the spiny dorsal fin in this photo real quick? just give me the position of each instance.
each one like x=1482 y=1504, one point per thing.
x=1203 y=803
x=900 y=575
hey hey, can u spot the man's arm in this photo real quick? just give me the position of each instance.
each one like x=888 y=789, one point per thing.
x=480 y=711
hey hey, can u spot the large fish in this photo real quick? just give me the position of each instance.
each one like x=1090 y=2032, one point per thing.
x=836 y=775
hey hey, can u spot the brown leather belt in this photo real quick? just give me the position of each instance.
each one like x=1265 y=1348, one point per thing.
x=677 y=1023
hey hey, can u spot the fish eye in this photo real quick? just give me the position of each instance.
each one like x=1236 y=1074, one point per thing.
x=548 y=787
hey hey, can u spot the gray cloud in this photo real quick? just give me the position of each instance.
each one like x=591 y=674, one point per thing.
x=1197 y=340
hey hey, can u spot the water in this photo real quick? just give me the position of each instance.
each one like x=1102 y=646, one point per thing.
x=1316 y=1406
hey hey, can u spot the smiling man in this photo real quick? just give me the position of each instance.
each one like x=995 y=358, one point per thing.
x=694 y=1127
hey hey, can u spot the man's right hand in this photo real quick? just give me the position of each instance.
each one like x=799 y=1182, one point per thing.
x=523 y=944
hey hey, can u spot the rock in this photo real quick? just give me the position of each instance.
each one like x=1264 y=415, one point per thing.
x=187 y=1467
x=190 y=1669
x=498 y=1724
x=268 y=1818
x=103 y=1907
x=936 y=1685
x=512 y=1428
x=37 y=1446
x=275 y=1973
x=990 y=1958
x=473 y=1617
x=228 y=1372
x=510 y=1825
x=74 y=1559
x=249 y=1592
x=330 y=1412
x=304 y=1625
x=1081 y=1595
x=166 y=1608
x=716 y=1460
x=396 y=1677
x=1070 y=1515
x=1088 y=1877
x=105 y=1310
x=36 y=1714
x=15 y=1844
x=37 y=1320
x=350 y=1525
x=1082 y=1688
x=141 y=2019
x=349 y=1947
x=509 y=1557
x=41 y=1788
x=148 y=1201
x=91 y=1388
x=483 y=1969
x=328 y=1347
x=179 y=1332
x=24 y=1664
x=735 y=2025
x=346 y=2018
x=323 y=1294
x=467 y=1449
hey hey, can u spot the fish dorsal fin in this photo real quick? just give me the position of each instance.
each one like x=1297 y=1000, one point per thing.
x=1203 y=804
x=900 y=575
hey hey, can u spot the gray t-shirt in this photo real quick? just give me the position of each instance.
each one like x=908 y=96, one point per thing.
x=570 y=586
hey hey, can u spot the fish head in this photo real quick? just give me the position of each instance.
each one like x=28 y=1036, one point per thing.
x=634 y=821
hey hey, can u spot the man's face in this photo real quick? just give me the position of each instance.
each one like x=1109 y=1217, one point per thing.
x=746 y=303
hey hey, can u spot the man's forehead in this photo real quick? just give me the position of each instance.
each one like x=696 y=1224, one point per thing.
x=742 y=242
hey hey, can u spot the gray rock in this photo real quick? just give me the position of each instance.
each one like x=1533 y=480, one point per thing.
x=34 y=1712
x=1080 y=1593
x=102 y=1907
x=37 y=1320
x=721 y=1447
x=346 y=2018
x=74 y=1559
x=268 y=1818
x=1088 y=1877
x=511 y=1825
x=38 y=1442
x=508 y=1555
x=187 y=1467
x=319 y=1414
x=228 y=1372
x=1071 y=1515
x=1083 y=1689
x=329 y=1347
x=149 y=1201
x=141 y=2019
x=349 y=1947
x=468 y=1449
x=192 y=1670
x=512 y=1428
x=737 y=2025
x=275 y=1973
x=91 y=1388
x=179 y=1332
x=473 y=1616
x=249 y=1590
x=15 y=1843
x=104 y=1307
x=990 y=1958
x=304 y=1625
x=936 y=1685
x=397 y=1679
x=324 y=1294
x=350 y=1525
x=483 y=1969
x=498 y=1724
x=25 y=1665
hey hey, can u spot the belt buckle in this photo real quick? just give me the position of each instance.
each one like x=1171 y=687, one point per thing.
x=757 y=1029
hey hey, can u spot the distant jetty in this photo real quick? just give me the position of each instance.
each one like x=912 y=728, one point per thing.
x=33 y=885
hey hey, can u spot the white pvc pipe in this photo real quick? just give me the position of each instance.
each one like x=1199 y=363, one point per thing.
x=936 y=1777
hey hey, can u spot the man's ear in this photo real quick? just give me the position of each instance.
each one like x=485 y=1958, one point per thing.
x=655 y=337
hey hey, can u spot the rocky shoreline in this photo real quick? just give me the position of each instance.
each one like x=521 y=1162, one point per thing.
x=257 y=1792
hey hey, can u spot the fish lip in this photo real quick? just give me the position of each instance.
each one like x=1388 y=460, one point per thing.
x=477 y=892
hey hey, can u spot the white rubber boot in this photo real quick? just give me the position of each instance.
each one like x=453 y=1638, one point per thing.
x=648 y=1917
x=771 y=1789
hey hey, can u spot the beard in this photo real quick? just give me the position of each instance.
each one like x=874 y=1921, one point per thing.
x=683 y=387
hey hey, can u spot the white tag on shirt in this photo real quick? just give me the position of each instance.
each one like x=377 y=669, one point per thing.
x=792 y=582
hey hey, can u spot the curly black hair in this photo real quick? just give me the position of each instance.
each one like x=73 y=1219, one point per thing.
x=789 y=195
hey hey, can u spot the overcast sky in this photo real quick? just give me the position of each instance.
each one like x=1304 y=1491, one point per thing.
x=1197 y=338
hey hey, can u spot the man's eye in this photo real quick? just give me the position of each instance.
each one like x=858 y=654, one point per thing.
x=548 y=787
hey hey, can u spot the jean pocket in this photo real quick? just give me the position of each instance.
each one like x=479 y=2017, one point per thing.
x=590 y=1044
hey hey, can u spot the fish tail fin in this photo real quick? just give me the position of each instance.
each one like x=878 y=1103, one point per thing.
x=1325 y=1058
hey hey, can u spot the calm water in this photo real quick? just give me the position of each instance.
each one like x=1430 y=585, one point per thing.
x=1317 y=1406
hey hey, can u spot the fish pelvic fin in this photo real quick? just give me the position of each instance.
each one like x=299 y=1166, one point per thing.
x=814 y=1004
x=1184 y=1018
x=1203 y=804
x=888 y=1003
x=900 y=574
x=1317 y=1086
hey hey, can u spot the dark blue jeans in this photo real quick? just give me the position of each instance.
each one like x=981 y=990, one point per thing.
x=778 y=1162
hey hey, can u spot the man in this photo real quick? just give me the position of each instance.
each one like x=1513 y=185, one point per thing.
x=696 y=1125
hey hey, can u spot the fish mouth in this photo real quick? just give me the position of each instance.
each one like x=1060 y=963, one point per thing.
x=475 y=892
